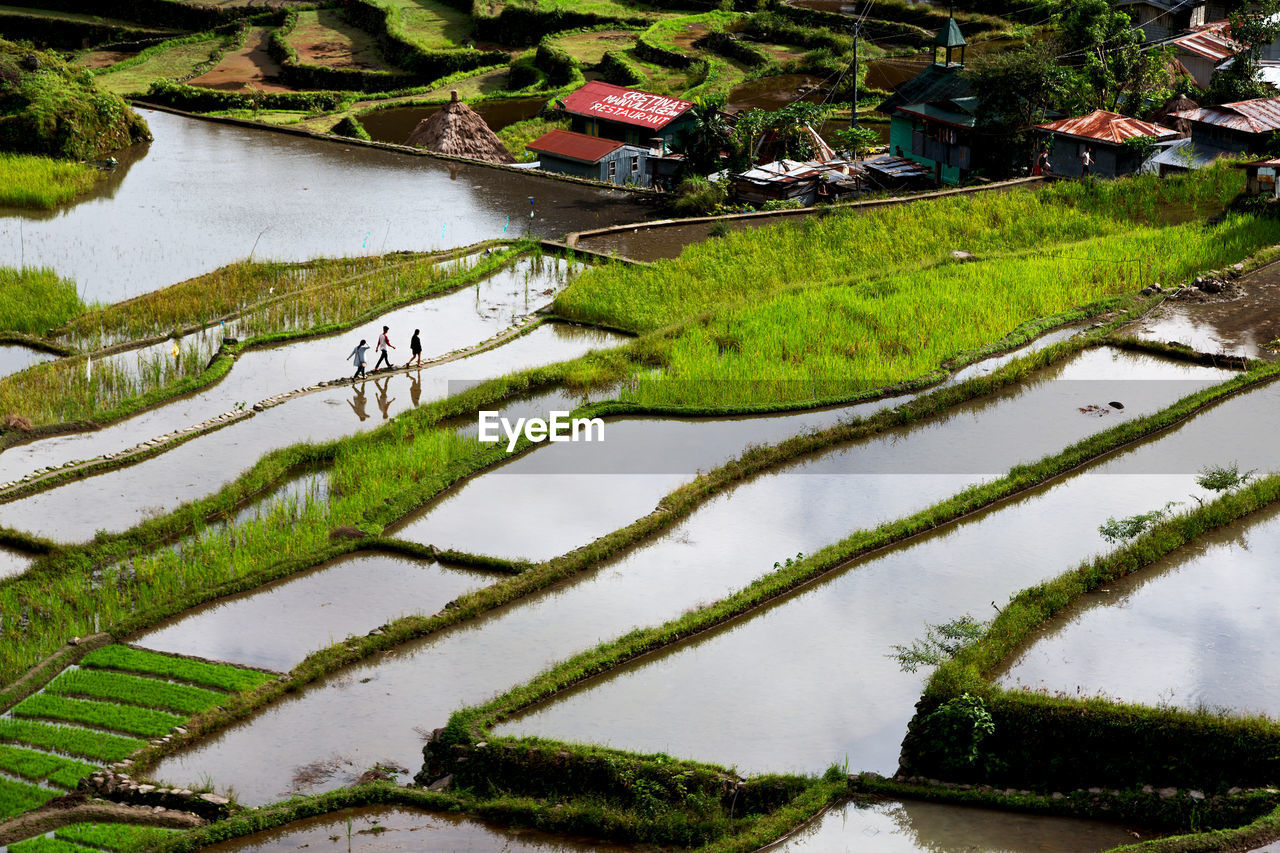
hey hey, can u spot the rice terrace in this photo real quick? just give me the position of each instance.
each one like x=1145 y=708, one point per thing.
x=604 y=425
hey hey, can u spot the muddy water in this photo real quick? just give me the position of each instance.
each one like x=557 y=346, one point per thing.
x=123 y=497
x=773 y=93
x=721 y=546
x=278 y=625
x=384 y=829
x=1244 y=323
x=207 y=194
x=919 y=827
x=396 y=123
x=15 y=357
x=1191 y=631
x=564 y=495
x=449 y=322
x=13 y=562
x=800 y=704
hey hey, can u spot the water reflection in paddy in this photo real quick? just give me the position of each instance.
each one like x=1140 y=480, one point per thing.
x=1192 y=630
x=14 y=562
x=278 y=625
x=368 y=713
x=123 y=497
x=919 y=827
x=810 y=680
x=452 y=321
x=15 y=357
x=384 y=829
x=207 y=194
x=564 y=495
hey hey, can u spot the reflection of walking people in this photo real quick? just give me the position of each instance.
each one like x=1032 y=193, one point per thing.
x=383 y=403
x=415 y=388
x=384 y=348
x=358 y=355
x=415 y=349
x=357 y=405
x=1086 y=162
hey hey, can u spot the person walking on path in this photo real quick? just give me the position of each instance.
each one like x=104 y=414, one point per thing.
x=384 y=348
x=415 y=349
x=358 y=355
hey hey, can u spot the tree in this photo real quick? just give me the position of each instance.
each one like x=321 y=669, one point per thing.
x=762 y=137
x=1103 y=43
x=706 y=138
x=855 y=139
x=1253 y=29
x=1015 y=89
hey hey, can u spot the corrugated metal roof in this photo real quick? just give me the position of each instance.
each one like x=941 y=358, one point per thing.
x=780 y=172
x=898 y=167
x=574 y=146
x=934 y=83
x=626 y=106
x=1260 y=115
x=1106 y=127
x=1183 y=154
x=957 y=112
x=1212 y=43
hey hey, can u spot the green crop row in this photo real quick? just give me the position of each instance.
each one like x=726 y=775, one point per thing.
x=18 y=797
x=219 y=675
x=72 y=740
x=30 y=181
x=33 y=300
x=30 y=764
x=134 y=690
x=42 y=844
x=104 y=715
x=118 y=837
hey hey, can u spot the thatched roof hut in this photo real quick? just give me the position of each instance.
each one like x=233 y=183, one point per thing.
x=459 y=131
x=1165 y=114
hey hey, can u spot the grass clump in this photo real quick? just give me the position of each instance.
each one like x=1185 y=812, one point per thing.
x=50 y=108
x=27 y=180
x=18 y=797
x=516 y=136
x=103 y=715
x=30 y=764
x=34 y=300
x=220 y=675
x=134 y=690
x=43 y=844
x=118 y=837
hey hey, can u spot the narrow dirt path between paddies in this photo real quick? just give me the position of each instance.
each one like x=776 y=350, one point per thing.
x=48 y=818
x=249 y=67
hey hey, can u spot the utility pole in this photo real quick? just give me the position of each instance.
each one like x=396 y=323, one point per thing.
x=857 y=25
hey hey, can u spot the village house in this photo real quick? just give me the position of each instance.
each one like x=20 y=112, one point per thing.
x=1260 y=177
x=627 y=115
x=1104 y=134
x=1160 y=19
x=1243 y=127
x=569 y=153
x=931 y=116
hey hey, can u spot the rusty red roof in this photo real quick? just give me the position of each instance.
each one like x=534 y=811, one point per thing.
x=1257 y=116
x=1211 y=42
x=1109 y=127
x=574 y=146
x=626 y=106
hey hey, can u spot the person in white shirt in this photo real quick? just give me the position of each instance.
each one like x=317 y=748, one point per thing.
x=384 y=348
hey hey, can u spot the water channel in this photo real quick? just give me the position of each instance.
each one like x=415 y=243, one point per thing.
x=373 y=712
x=205 y=194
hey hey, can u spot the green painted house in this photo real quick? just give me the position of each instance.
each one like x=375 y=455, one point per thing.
x=931 y=116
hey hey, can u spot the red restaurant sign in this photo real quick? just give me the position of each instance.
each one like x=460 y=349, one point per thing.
x=628 y=106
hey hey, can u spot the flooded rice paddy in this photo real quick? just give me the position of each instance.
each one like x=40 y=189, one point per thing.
x=384 y=829
x=13 y=561
x=205 y=194
x=123 y=497
x=811 y=679
x=723 y=545
x=565 y=495
x=452 y=321
x=276 y=626
x=1191 y=631
x=921 y=827
x=15 y=357
x=394 y=124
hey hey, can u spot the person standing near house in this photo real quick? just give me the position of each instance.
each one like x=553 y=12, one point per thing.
x=384 y=348
x=1086 y=162
x=1042 y=166
x=358 y=355
x=415 y=349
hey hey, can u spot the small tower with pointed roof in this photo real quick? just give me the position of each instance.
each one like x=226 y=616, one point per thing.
x=949 y=39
